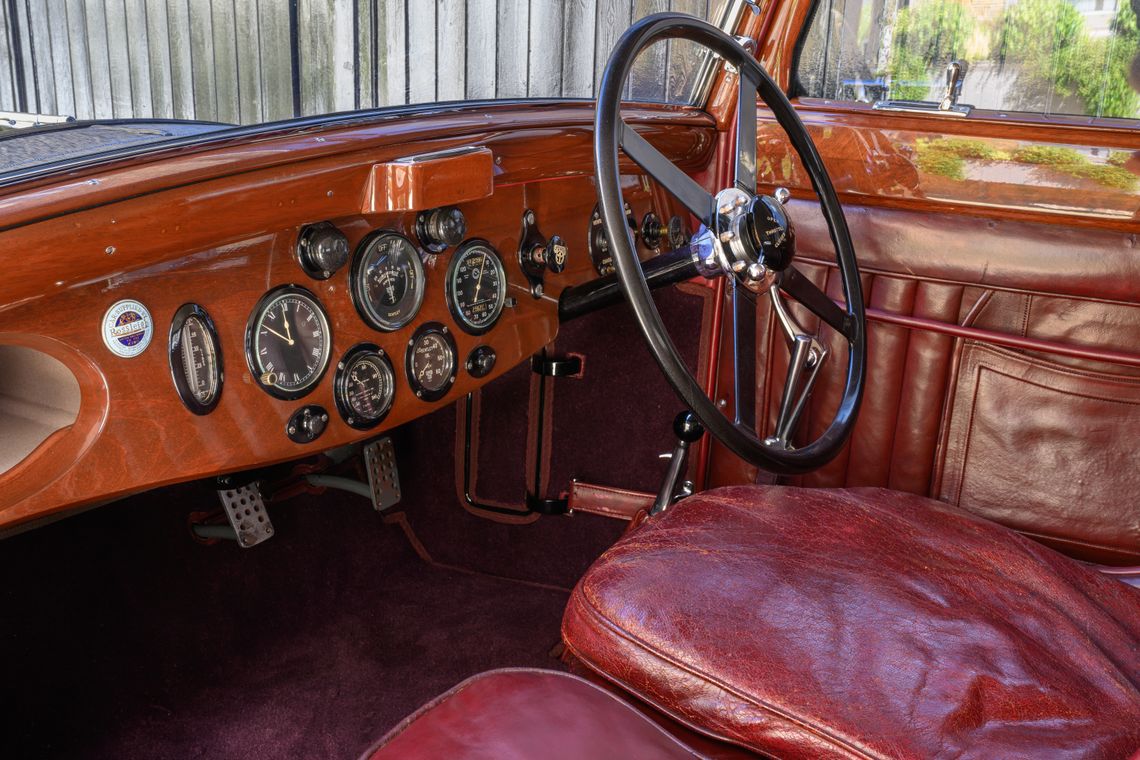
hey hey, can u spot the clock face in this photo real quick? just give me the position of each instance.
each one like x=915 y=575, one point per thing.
x=288 y=342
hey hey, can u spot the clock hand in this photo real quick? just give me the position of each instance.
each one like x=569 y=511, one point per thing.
x=289 y=341
x=288 y=330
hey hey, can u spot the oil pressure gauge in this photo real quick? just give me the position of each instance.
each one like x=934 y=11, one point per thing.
x=195 y=359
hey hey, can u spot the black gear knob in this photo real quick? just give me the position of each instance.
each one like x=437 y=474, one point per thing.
x=687 y=427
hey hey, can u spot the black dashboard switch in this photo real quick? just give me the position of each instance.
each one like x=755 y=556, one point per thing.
x=322 y=250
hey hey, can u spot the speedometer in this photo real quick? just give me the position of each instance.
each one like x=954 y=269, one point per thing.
x=195 y=359
x=476 y=286
x=387 y=281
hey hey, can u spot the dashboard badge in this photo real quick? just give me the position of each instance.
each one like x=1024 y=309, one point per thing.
x=127 y=328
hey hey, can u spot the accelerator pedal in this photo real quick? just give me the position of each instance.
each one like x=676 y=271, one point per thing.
x=383 y=477
x=245 y=509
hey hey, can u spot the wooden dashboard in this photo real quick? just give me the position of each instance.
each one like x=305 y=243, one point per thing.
x=217 y=226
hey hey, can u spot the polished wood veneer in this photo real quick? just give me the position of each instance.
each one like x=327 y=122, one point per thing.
x=218 y=227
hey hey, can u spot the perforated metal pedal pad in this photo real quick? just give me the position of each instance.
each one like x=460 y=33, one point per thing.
x=245 y=509
x=383 y=477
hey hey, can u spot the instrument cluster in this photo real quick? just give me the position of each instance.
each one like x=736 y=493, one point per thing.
x=288 y=337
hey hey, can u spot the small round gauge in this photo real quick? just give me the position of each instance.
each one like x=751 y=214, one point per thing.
x=430 y=361
x=678 y=233
x=387 y=281
x=365 y=386
x=599 y=244
x=287 y=342
x=476 y=286
x=195 y=359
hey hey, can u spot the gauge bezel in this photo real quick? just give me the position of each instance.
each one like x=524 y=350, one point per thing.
x=358 y=288
x=254 y=318
x=595 y=234
x=174 y=344
x=340 y=384
x=420 y=392
x=457 y=314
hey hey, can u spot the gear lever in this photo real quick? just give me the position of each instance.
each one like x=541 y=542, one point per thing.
x=688 y=429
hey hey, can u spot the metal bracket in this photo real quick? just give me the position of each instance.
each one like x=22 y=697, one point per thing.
x=245 y=509
x=383 y=476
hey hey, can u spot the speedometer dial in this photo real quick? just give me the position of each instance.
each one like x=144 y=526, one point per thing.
x=387 y=281
x=195 y=359
x=365 y=386
x=287 y=342
x=476 y=286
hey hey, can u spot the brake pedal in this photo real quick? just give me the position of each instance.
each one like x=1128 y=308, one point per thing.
x=383 y=477
x=245 y=509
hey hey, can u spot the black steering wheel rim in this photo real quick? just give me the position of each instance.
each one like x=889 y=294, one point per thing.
x=608 y=135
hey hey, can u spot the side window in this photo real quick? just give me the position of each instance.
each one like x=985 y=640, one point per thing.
x=1056 y=57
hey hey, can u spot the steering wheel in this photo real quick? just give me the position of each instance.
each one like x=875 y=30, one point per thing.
x=743 y=236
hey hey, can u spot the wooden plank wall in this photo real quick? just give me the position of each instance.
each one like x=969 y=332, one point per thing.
x=248 y=61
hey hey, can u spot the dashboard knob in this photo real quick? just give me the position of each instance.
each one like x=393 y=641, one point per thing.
x=552 y=255
x=322 y=249
x=651 y=231
x=441 y=228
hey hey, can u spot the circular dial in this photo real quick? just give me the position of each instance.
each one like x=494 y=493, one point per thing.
x=195 y=359
x=430 y=361
x=599 y=244
x=678 y=233
x=365 y=386
x=476 y=287
x=387 y=281
x=288 y=342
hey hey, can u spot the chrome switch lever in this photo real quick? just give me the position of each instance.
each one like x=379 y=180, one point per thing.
x=688 y=429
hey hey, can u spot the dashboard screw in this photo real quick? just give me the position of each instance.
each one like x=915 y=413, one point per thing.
x=109 y=250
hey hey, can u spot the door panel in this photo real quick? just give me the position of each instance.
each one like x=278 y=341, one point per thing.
x=1027 y=414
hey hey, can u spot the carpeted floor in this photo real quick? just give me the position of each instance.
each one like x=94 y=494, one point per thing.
x=122 y=638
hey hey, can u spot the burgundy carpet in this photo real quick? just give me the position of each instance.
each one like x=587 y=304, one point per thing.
x=122 y=638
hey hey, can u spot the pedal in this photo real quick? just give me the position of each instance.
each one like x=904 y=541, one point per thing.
x=245 y=509
x=383 y=477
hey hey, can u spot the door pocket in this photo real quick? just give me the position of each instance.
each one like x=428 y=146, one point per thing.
x=1046 y=449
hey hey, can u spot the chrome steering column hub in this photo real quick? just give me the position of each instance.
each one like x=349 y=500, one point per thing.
x=751 y=239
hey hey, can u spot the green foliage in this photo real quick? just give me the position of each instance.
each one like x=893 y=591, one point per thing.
x=1048 y=155
x=1049 y=40
x=1042 y=35
x=1103 y=174
x=947 y=156
x=926 y=37
x=1118 y=157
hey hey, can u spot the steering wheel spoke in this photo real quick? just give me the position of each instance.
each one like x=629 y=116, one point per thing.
x=743 y=306
x=799 y=287
x=746 y=134
x=692 y=196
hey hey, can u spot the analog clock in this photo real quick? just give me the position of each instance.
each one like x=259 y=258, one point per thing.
x=288 y=342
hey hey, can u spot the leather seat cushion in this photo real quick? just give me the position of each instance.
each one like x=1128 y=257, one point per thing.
x=862 y=623
x=522 y=714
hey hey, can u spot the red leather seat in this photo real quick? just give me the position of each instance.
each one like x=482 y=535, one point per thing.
x=524 y=714
x=862 y=623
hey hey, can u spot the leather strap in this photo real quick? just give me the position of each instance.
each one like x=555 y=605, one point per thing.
x=607 y=501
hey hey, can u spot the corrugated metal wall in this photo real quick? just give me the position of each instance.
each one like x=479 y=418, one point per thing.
x=259 y=60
